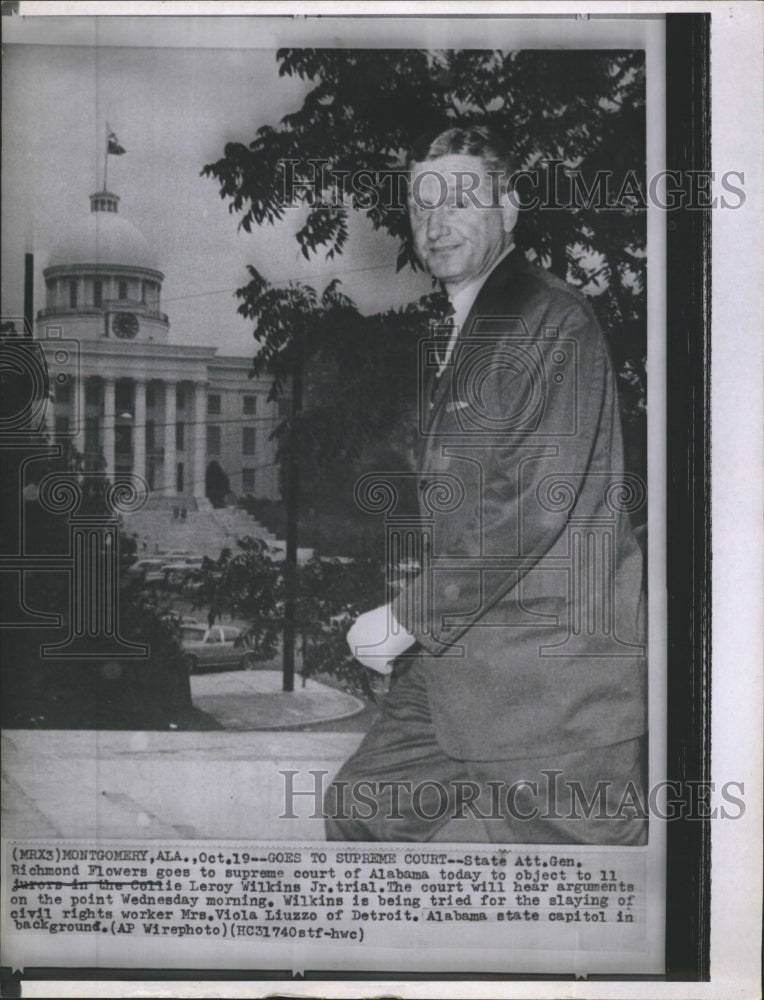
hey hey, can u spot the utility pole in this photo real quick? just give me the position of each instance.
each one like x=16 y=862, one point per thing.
x=292 y=489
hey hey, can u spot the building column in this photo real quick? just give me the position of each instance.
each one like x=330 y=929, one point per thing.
x=170 y=453
x=200 y=438
x=139 y=430
x=78 y=414
x=109 y=424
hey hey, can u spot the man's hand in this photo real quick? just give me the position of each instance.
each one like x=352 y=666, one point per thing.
x=376 y=638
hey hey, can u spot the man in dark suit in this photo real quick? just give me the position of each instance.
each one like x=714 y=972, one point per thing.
x=521 y=716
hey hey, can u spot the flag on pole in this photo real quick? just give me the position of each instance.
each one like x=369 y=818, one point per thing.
x=113 y=145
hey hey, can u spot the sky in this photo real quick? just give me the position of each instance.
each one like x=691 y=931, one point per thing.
x=173 y=107
x=175 y=90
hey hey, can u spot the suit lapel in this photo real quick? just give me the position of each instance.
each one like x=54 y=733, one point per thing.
x=500 y=276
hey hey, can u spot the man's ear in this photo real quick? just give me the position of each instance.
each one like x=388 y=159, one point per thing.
x=509 y=210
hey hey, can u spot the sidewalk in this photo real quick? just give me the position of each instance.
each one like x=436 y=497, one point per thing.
x=254 y=700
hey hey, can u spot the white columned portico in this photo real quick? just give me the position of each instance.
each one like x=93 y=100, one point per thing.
x=200 y=438
x=170 y=452
x=139 y=429
x=109 y=422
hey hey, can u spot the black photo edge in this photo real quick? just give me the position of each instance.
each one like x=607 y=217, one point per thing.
x=688 y=520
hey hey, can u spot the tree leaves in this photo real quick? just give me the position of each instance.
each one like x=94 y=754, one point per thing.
x=366 y=108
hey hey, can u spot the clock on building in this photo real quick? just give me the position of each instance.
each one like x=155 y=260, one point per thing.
x=125 y=325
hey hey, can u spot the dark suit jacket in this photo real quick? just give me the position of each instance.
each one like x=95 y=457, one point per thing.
x=529 y=609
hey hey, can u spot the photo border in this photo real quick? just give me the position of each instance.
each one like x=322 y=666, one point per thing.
x=688 y=511
x=688 y=364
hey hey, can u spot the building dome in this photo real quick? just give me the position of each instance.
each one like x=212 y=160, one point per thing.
x=103 y=237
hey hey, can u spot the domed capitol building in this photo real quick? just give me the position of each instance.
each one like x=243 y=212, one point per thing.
x=133 y=402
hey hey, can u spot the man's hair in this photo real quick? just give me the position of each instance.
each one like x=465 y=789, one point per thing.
x=474 y=140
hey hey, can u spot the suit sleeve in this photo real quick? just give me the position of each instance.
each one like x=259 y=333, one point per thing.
x=518 y=482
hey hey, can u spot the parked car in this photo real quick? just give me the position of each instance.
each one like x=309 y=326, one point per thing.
x=179 y=619
x=177 y=573
x=174 y=575
x=218 y=646
x=141 y=569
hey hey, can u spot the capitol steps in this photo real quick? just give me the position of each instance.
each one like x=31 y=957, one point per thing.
x=163 y=528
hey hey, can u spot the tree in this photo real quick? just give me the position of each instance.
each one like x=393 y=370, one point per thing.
x=248 y=585
x=332 y=593
x=141 y=693
x=359 y=373
x=216 y=485
x=562 y=111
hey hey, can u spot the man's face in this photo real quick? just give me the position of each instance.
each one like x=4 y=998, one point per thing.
x=460 y=224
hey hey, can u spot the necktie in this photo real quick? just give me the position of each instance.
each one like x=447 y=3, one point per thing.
x=442 y=330
x=443 y=327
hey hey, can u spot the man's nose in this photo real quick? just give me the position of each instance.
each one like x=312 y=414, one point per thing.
x=437 y=222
